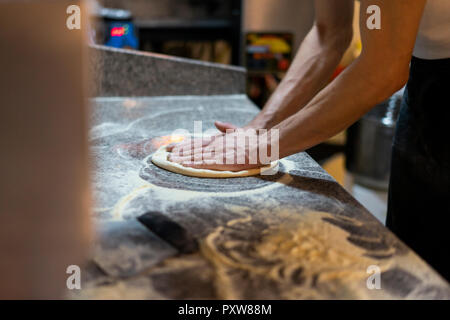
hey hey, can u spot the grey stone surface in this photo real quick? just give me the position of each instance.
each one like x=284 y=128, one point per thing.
x=126 y=248
x=119 y=72
x=297 y=234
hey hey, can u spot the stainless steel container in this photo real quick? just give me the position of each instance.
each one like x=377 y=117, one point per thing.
x=369 y=144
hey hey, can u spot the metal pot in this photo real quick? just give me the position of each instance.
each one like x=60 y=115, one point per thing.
x=369 y=144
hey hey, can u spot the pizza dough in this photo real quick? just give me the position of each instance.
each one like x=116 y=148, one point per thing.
x=159 y=158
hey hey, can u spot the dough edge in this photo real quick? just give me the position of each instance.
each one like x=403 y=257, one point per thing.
x=159 y=158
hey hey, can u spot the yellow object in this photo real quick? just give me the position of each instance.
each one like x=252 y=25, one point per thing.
x=276 y=45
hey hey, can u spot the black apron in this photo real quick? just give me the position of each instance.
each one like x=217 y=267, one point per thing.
x=419 y=190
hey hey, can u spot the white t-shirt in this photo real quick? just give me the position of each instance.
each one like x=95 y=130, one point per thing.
x=433 y=40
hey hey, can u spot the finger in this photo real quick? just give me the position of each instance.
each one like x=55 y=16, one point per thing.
x=179 y=158
x=176 y=146
x=224 y=126
x=182 y=149
x=205 y=164
x=206 y=149
x=176 y=151
x=189 y=142
x=198 y=154
x=193 y=157
x=212 y=165
x=171 y=146
x=186 y=141
x=196 y=145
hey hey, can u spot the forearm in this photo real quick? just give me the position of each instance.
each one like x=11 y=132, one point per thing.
x=311 y=70
x=340 y=104
x=382 y=69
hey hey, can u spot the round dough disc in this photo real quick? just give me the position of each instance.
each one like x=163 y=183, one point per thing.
x=159 y=158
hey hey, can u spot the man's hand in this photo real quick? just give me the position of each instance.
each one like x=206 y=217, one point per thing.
x=238 y=149
x=223 y=152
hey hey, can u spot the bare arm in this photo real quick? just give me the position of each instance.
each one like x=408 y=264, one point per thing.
x=382 y=69
x=317 y=58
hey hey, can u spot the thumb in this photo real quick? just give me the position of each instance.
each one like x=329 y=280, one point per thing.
x=224 y=126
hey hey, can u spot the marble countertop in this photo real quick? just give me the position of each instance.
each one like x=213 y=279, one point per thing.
x=122 y=72
x=294 y=235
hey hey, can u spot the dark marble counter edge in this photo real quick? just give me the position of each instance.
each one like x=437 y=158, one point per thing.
x=123 y=72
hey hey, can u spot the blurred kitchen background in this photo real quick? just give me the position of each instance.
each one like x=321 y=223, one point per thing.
x=263 y=36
